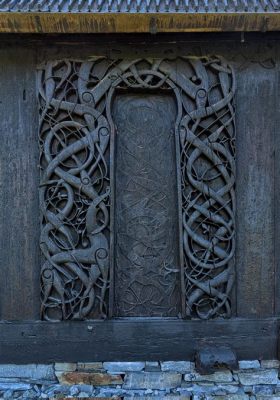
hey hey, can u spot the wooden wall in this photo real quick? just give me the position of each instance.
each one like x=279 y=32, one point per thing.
x=19 y=214
x=257 y=61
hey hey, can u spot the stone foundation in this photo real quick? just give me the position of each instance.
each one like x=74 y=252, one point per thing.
x=171 y=380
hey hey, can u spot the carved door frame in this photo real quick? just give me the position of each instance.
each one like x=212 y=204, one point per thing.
x=71 y=96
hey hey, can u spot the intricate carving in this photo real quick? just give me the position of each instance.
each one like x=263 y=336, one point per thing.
x=207 y=134
x=147 y=267
x=74 y=194
x=77 y=185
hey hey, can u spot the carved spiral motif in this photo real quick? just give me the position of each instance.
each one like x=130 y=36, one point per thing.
x=75 y=192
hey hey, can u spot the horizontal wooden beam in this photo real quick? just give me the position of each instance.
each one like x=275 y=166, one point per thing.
x=43 y=22
x=128 y=340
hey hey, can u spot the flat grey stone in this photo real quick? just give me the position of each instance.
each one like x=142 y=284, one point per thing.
x=85 y=388
x=229 y=397
x=106 y=392
x=261 y=377
x=268 y=397
x=83 y=394
x=161 y=397
x=29 y=371
x=196 y=388
x=213 y=389
x=90 y=366
x=249 y=364
x=123 y=366
x=263 y=389
x=228 y=388
x=15 y=386
x=217 y=377
x=152 y=380
x=270 y=363
x=65 y=367
x=152 y=366
x=177 y=366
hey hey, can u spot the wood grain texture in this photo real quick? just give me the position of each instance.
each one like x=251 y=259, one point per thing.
x=147 y=266
x=130 y=340
x=19 y=213
x=44 y=22
x=277 y=183
x=257 y=134
x=255 y=112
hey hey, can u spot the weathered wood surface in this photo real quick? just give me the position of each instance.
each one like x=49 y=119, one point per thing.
x=39 y=22
x=25 y=342
x=257 y=221
x=243 y=48
x=255 y=124
x=147 y=266
x=277 y=183
x=19 y=212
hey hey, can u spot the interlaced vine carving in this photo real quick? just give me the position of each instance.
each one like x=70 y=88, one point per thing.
x=74 y=194
x=77 y=152
x=207 y=136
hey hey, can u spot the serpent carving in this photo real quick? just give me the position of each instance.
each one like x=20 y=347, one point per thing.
x=207 y=134
x=77 y=186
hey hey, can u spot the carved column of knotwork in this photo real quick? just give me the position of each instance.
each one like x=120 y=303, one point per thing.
x=207 y=137
x=74 y=194
x=76 y=187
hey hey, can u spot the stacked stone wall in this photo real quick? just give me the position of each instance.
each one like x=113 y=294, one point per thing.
x=169 y=380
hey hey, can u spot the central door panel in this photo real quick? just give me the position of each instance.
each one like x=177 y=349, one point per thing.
x=147 y=272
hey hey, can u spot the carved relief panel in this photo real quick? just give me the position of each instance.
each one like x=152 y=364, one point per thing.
x=137 y=188
x=147 y=265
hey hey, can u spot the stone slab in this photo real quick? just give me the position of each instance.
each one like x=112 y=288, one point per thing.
x=270 y=363
x=90 y=366
x=229 y=397
x=89 y=378
x=160 y=397
x=249 y=364
x=177 y=366
x=152 y=366
x=124 y=366
x=228 y=388
x=268 y=397
x=69 y=367
x=152 y=380
x=218 y=377
x=34 y=372
x=89 y=398
x=15 y=386
x=261 y=377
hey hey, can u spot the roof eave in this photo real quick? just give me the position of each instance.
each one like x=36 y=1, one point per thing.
x=58 y=23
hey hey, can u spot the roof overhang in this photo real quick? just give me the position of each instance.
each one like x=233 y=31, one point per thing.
x=57 y=23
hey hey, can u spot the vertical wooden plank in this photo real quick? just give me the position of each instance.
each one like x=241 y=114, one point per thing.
x=19 y=218
x=277 y=182
x=255 y=119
